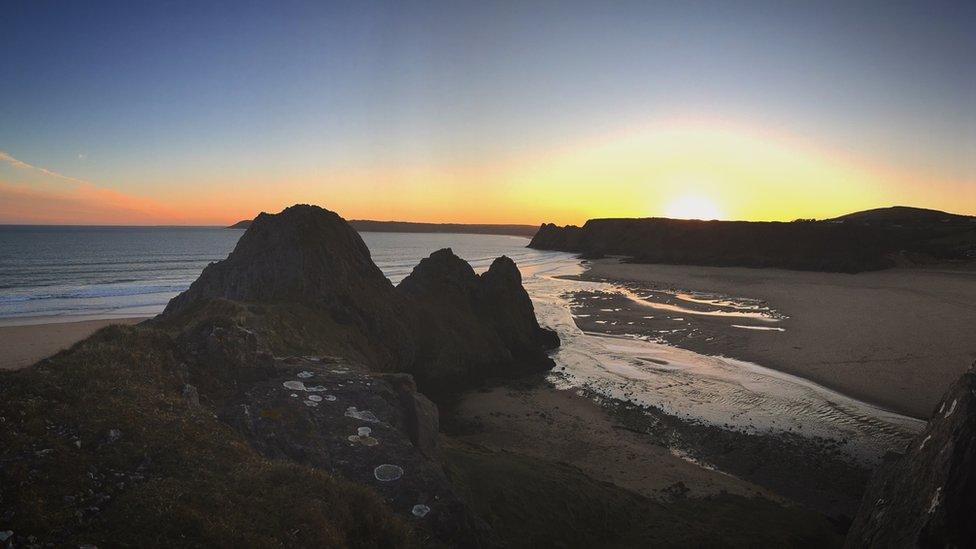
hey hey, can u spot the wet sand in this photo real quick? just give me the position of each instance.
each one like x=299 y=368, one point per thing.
x=654 y=454
x=21 y=346
x=895 y=338
x=546 y=423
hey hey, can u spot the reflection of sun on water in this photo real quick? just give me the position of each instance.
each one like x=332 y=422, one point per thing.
x=693 y=207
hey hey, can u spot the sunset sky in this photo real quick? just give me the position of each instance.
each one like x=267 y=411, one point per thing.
x=484 y=112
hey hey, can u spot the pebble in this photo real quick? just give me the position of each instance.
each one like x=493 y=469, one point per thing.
x=305 y=374
x=315 y=398
x=420 y=510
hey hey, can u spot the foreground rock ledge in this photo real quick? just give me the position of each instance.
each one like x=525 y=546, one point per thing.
x=927 y=497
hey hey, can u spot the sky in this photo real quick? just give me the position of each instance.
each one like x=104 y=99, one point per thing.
x=484 y=112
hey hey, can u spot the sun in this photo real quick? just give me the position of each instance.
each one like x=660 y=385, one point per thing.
x=693 y=206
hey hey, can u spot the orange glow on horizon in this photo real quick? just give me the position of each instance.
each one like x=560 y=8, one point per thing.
x=667 y=168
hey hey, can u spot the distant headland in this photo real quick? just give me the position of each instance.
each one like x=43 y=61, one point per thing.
x=861 y=241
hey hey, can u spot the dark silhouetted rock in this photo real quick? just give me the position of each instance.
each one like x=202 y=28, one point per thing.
x=471 y=328
x=504 y=300
x=864 y=241
x=305 y=253
x=444 y=324
x=927 y=497
x=310 y=256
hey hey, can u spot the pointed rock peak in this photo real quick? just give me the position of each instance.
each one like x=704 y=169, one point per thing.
x=503 y=268
x=302 y=253
x=441 y=271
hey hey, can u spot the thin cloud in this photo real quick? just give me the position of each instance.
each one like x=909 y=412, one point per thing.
x=20 y=164
x=78 y=201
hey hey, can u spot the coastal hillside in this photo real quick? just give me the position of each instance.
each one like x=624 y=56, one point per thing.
x=863 y=241
x=285 y=398
x=368 y=226
x=270 y=404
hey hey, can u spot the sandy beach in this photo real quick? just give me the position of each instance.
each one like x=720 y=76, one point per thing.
x=896 y=338
x=21 y=346
x=568 y=428
x=653 y=454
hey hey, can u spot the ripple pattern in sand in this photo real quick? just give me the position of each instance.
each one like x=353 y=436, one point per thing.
x=717 y=390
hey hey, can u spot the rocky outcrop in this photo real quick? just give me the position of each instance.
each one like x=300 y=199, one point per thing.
x=444 y=324
x=305 y=253
x=470 y=328
x=927 y=497
x=504 y=301
x=356 y=412
x=849 y=244
x=310 y=256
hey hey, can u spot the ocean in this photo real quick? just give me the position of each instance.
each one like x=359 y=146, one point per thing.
x=57 y=273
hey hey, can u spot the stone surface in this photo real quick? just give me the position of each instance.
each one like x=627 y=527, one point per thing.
x=927 y=496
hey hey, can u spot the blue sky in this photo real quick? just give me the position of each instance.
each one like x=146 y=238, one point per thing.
x=151 y=97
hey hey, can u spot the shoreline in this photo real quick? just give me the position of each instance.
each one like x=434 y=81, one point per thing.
x=22 y=345
x=894 y=339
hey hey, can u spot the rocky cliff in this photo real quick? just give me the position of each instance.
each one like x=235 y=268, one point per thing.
x=927 y=497
x=854 y=243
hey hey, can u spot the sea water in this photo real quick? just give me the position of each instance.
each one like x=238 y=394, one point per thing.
x=50 y=273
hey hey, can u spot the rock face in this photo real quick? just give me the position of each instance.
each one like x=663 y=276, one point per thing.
x=927 y=497
x=469 y=327
x=858 y=242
